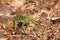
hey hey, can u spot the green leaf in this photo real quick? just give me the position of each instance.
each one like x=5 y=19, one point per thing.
x=30 y=17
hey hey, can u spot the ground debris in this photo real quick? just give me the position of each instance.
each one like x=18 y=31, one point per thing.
x=45 y=24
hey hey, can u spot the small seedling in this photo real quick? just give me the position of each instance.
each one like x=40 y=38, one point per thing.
x=23 y=18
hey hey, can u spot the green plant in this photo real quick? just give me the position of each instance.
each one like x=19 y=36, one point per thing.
x=22 y=18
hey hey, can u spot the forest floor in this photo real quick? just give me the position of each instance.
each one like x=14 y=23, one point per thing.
x=46 y=21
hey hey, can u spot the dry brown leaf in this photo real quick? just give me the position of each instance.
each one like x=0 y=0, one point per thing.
x=55 y=18
x=40 y=39
x=36 y=16
x=7 y=27
x=3 y=38
x=17 y=3
x=23 y=7
x=8 y=33
x=28 y=30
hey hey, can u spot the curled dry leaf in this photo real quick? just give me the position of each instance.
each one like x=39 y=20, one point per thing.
x=7 y=27
x=55 y=18
x=28 y=30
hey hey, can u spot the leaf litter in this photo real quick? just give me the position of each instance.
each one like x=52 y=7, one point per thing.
x=45 y=24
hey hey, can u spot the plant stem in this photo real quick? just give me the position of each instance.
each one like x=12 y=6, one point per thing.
x=14 y=24
x=23 y=27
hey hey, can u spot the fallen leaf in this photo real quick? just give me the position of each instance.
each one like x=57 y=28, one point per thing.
x=3 y=38
x=55 y=18
x=7 y=27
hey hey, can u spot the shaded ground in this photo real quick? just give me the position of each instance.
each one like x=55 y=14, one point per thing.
x=46 y=22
